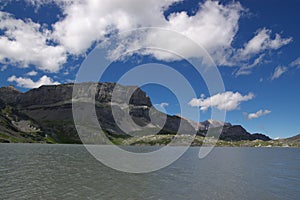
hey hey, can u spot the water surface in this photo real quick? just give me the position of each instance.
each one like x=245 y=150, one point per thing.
x=40 y=171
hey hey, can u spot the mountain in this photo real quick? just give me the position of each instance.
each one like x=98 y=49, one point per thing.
x=45 y=114
x=9 y=94
x=291 y=141
x=295 y=138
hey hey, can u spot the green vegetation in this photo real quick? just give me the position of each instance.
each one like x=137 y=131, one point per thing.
x=152 y=140
x=50 y=140
x=7 y=110
x=149 y=140
x=11 y=139
x=117 y=141
x=64 y=132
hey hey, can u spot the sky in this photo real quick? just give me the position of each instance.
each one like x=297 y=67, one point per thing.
x=254 y=45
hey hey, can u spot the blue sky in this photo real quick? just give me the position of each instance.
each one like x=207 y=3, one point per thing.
x=254 y=44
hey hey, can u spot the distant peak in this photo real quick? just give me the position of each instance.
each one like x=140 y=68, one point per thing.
x=11 y=88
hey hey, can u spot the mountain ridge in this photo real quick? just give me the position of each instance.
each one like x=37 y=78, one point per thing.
x=49 y=108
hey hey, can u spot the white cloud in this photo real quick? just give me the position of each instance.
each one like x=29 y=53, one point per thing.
x=214 y=26
x=25 y=42
x=246 y=69
x=161 y=107
x=31 y=73
x=258 y=114
x=89 y=21
x=223 y=101
x=29 y=83
x=3 y=68
x=256 y=49
x=278 y=72
x=164 y=104
x=260 y=42
x=295 y=63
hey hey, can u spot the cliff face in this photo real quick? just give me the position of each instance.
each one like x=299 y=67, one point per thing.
x=49 y=110
x=52 y=94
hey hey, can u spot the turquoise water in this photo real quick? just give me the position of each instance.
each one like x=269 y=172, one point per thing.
x=34 y=171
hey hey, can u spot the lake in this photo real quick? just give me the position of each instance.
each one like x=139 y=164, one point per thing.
x=41 y=171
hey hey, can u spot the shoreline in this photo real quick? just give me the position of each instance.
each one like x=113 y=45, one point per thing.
x=145 y=145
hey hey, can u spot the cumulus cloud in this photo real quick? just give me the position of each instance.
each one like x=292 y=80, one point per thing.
x=31 y=73
x=214 y=26
x=29 y=83
x=278 y=72
x=223 y=101
x=258 y=114
x=25 y=42
x=90 y=21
